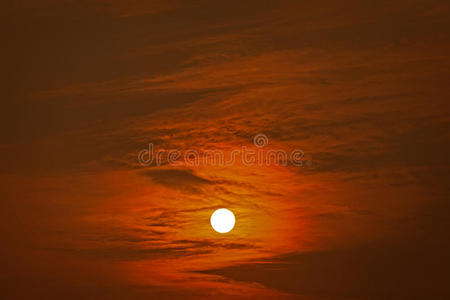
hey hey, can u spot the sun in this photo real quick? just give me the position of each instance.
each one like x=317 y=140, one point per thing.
x=222 y=220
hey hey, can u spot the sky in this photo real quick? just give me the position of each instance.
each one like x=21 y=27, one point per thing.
x=360 y=88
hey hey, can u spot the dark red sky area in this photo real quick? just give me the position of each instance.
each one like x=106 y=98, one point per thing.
x=361 y=87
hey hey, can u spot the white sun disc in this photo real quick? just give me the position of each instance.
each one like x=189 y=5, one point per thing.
x=222 y=220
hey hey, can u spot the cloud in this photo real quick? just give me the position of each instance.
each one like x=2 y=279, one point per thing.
x=363 y=273
x=176 y=178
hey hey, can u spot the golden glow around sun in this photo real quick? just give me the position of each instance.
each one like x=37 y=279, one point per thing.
x=222 y=220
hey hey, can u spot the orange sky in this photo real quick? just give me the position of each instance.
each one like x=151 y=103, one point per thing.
x=361 y=87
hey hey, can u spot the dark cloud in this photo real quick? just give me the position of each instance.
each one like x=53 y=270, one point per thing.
x=176 y=178
x=402 y=271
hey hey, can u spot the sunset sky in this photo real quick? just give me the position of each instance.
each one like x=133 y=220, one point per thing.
x=360 y=87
